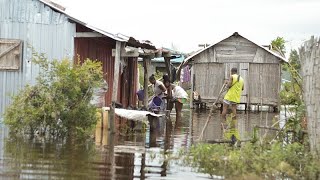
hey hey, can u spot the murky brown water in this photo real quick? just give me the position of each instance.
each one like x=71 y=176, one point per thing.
x=132 y=156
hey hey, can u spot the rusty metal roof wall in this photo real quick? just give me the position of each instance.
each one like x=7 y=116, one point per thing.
x=39 y=27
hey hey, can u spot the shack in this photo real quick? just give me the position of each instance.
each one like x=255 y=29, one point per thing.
x=45 y=27
x=259 y=67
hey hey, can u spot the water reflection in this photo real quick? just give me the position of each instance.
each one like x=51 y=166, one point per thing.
x=35 y=159
x=245 y=124
x=132 y=156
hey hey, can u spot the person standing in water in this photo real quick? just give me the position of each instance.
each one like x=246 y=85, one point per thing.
x=232 y=97
x=178 y=96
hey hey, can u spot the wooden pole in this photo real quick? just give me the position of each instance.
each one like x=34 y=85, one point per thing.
x=168 y=135
x=192 y=87
x=168 y=69
x=211 y=111
x=146 y=62
x=115 y=86
x=168 y=66
x=217 y=141
x=110 y=159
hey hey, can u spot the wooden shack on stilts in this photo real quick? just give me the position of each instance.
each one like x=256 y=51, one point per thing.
x=259 y=67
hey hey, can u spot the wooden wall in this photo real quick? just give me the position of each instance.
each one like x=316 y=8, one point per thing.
x=208 y=79
x=265 y=85
x=259 y=68
x=310 y=61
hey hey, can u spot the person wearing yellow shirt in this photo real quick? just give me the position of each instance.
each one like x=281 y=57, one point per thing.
x=232 y=97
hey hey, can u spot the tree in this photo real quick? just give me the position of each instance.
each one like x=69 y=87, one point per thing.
x=59 y=102
x=279 y=45
x=291 y=92
x=294 y=60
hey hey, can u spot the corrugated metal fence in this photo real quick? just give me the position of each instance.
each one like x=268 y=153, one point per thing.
x=38 y=27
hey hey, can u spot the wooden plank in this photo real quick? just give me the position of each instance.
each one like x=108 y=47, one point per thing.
x=9 y=41
x=166 y=54
x=88 y=35
x=264 y=92
x=209 y=79
x=214 y=55
x=261 y=82
x=9 y=68
x=243 y=72
x=269 y=58
x=10 y=54
x=232 y=43
x=237 y=57
x=234 y=59
x=127 y=53
x=9 y=49
x=259 y=56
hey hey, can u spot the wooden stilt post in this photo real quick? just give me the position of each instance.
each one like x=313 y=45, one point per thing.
x=168 y=66
x=192 y=88
x=115 y=86
x=146 y=62
x=168 y=135
x=168 y=69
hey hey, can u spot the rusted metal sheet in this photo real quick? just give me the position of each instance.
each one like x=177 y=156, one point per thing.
x=100 y=48
x=129 y=82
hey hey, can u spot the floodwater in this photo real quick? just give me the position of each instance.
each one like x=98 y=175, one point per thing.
x=147 y=155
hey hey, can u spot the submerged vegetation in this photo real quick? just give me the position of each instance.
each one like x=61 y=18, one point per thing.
x=59 y=103
x=270 y=161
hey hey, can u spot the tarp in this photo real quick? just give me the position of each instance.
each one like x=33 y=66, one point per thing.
x=136 y=115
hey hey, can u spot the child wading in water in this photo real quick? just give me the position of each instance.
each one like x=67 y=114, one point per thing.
x=178 y=96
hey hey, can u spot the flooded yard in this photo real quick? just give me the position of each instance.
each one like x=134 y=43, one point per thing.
x=148 y=155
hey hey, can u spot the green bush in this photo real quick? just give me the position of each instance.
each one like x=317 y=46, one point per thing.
x=271 y=161
x=59 y=103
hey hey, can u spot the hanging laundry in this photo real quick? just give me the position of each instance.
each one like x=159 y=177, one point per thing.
x=185 y=74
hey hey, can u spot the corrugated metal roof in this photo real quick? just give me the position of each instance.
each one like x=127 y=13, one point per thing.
x=108 y=34
x=118 y=37
x=200 y=51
